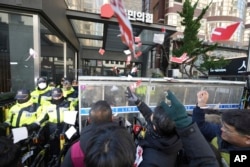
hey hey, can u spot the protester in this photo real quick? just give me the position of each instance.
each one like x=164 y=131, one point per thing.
x=161 y=144
x=42 y=92
x=232 y=134
x=99 y=114
x=110 y=145
x=10 y=153
x=196 y=148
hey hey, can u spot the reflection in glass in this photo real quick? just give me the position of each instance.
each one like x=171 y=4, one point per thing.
x=16 y=38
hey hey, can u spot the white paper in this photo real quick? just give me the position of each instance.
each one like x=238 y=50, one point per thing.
x=127 y=52
x=19 y=134
x=114 y=88
x=70 y=117
x=159 y=38
x=70 y=132
x=139 y=152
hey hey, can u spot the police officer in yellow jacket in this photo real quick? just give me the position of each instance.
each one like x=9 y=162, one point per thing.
x=42 y=92
x=55 y=124
x=70 y=94
x=25 y=112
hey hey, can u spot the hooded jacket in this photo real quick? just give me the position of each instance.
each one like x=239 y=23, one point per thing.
x=158 y=150
x=86 y=133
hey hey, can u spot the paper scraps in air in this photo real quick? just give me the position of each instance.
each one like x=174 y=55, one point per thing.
x=101 y=51
x=134 y=69
x=134 y=85
x=224 y=33
x=129 y=57
x=70 y=117
x=124 y=24
x=159 y=38
x=179 y=60
x=137 y=39
x=139 y=44
x=163 y=29
x=19 y=134
x=127 y=52
x=138 y=54
x=32 y=53
x=114 y=88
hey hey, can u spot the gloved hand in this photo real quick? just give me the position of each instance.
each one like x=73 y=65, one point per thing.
x=132 y=97
x=32 y=127
x=4 y=126
x=177 y=111
x=45 y=118
x=202 y=98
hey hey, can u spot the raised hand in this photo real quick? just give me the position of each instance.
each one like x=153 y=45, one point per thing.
x=132 y=97
x=176 y=111
x=202 y=98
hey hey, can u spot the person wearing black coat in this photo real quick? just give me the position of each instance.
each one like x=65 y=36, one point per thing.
x=195 y=151
x=161 y=143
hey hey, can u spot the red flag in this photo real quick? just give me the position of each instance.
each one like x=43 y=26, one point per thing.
x=181 y=59
x=124 y=24
x=224 y=33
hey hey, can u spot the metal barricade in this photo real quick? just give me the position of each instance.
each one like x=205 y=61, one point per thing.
x=152 y=91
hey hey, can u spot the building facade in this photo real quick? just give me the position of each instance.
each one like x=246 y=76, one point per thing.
x=220 y=14
x=62 y=38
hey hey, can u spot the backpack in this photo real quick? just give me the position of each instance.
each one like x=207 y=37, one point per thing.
x=77 y=155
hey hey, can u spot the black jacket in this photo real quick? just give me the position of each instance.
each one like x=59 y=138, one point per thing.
x=86 y=132
x=160 y=151
x=195 y=152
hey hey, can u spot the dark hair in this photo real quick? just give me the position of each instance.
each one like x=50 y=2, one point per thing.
x=100 y=112
x=164 y=125
x=110 y=145
x=239 y=119
x=9 y=153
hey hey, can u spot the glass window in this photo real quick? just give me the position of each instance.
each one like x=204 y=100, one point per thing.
x=16 y=64
x=70 y=64
x=52 y=56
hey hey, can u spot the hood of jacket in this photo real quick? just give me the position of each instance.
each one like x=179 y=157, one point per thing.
x=166 y=144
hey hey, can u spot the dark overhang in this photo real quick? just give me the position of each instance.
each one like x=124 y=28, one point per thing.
x=108 y=37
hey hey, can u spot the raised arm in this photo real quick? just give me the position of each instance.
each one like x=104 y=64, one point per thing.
x=143 y=108
x=208 y=129
x=195 y=145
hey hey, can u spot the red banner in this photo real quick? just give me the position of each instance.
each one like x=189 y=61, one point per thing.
x=124 y=24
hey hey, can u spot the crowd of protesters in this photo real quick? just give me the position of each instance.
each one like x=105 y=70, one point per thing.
x=172 y=137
